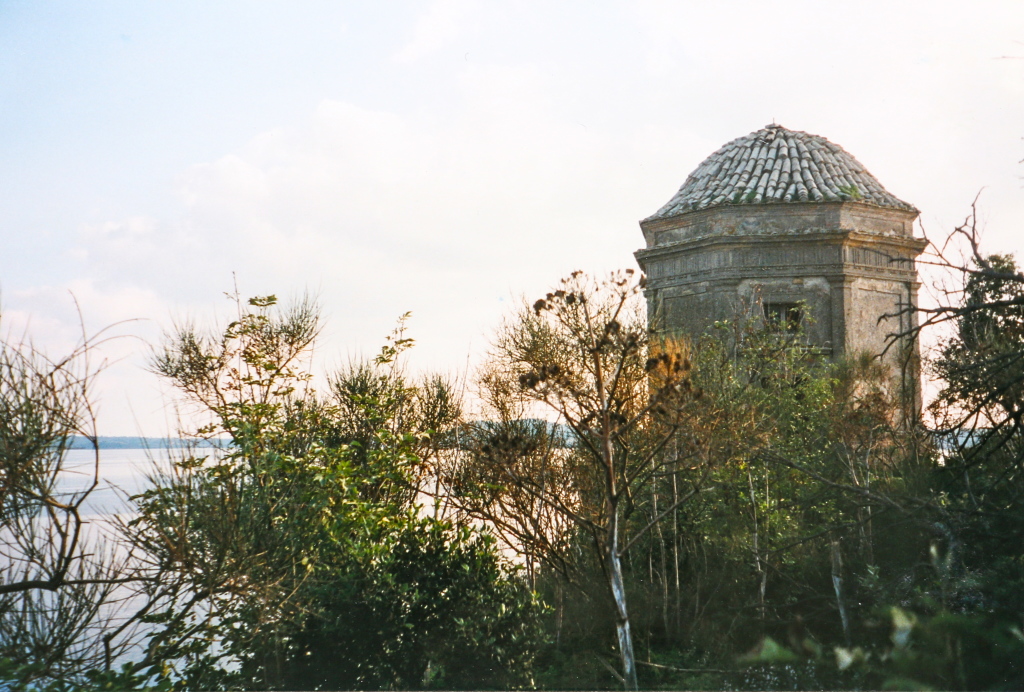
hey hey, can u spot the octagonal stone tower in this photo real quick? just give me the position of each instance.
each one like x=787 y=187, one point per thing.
x=783 y=225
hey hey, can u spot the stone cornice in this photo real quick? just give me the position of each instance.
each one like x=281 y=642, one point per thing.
x=809 y=236
x=657 y=224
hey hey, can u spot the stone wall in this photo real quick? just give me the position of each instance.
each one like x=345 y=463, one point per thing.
x=849 y=263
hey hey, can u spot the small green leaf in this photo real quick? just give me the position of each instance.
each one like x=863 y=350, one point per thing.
x=902 y=625
x=768 y=651
x=847 y=657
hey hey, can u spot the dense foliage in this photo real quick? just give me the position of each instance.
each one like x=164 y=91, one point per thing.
x=298 y=551
x=584 y=355
x=624 y=509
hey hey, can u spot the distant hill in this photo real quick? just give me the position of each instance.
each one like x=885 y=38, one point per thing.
x=561 y=435
x=79 y=442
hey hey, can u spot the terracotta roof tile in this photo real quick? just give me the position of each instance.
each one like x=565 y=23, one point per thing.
x=776 y=165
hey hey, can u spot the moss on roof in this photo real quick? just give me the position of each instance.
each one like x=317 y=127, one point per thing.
x=776 y=165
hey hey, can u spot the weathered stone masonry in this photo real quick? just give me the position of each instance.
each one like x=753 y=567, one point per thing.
x=780 y=218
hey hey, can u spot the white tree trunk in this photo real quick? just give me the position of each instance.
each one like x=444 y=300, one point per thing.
x=621 y=614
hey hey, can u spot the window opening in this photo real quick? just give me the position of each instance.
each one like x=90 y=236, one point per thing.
x=783 y=317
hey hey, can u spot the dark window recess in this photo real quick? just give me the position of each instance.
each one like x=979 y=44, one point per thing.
x=783 y=316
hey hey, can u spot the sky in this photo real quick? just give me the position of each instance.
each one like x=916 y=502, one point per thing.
x=442 y=157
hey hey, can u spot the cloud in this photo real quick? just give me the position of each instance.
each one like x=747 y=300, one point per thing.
x=57 y=319
x=381 y=212
x=469 y=181
x=436 y=28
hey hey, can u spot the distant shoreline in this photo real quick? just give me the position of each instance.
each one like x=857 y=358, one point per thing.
x=79 y=442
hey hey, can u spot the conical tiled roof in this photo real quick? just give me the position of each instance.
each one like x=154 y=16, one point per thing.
x=776 y=165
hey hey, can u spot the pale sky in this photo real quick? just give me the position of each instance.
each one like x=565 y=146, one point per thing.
x=441 y=157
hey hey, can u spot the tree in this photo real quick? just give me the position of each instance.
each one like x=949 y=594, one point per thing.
x=263 y=552
x=374 y=396
x=982 y=362
x=979 y=419
x=59 y=580
x=980 y=415
x=584 y=356
x=950 y=588
x=775 y=538
x=424 y=606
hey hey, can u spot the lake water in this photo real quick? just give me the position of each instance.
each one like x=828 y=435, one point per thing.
x=122 y=473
